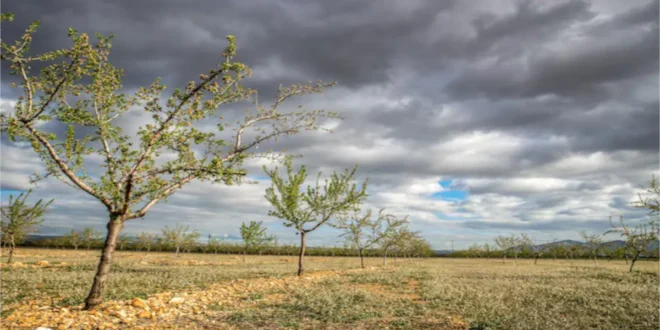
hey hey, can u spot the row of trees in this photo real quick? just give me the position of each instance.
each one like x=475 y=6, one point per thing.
x=638 y=242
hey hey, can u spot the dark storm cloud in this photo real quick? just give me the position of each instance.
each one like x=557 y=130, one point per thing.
x=429 y=89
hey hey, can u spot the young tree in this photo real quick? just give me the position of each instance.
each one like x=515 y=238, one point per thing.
x=308 y=210
x=396 y=230
x=90 y=236
x=254 y=236
x=505 y=243
x=638 y=238
x=20 y=218
x=361 y=231
x=592 y=244
x=80 y=88
x=144 y=241
x=74 y=239
x=176 y=237
x=123 y=242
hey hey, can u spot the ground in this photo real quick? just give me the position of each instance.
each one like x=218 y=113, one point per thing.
x=196 y=291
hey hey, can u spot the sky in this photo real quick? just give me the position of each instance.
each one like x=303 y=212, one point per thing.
x=473 y=118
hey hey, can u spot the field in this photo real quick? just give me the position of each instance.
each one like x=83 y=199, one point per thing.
x=197 y=291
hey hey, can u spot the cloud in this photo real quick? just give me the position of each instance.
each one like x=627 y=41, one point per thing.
x=546 y=113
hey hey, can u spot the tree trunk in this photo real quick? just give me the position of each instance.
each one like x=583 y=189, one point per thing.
x=12 y=247
x=302 y=253
x=385 y=257
x=177 y=251
x=361 y=258
x=632 y=262
x=245 y=255
x=95 y=294
x=536 y=259
x=626 y=257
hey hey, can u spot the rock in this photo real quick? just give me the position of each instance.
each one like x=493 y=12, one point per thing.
x=42 y=263
x=43 y=328
x=139 y=303
x=144 y=314
x=176 y=300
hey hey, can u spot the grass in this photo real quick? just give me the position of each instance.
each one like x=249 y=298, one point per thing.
x=424 y=294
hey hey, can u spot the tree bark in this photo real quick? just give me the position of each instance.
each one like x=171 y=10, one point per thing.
x=361 y=258
x=632 y=262
x=95 y=294
x=245 y=255
x=385 y=257
x=302 y=253
x=12 y=247
x=177 y=251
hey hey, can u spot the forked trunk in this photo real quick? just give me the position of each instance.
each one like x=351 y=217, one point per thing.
x=302 y=253
x=95 y=294
x=12 y=247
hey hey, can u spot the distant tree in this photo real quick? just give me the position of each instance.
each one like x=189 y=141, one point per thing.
x=20 y=218
x=90 y=237
x=362 y=231
x=308 y=210
x=214 y=245
x=176 y=237
x=254 y=236
x=80 y=88
x=123 y=242
x=74 y=239
x=592 y=245
x=396 y=231
x=145 y=241
x=505 y=243
x=638 y=238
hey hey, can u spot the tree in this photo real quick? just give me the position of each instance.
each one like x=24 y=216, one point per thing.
x=20 y=218
x=396 y=230
x=135 y=177
x=361 y=231
x=254 y=236
x=638 y=238
x=144 y=241
x=74 y=239
x=177 y=237
x=308 y=210
x=90 y=236
x=505 y=243
x=593 y=243
x=123 y=242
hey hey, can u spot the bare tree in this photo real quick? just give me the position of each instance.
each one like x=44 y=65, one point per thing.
x=306 y=211
x=74 y=239
x=145 y=240
x=254 y=235
x=505 y=243
x=79 y=87
x=19 y=219
x=638 y=238
x=176 y=237
x=90 y=237
x=362 y=231
x=593 y=243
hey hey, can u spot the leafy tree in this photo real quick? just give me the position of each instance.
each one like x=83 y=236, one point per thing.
x=90 y=236
x=362 y=231
x=74 y=239
x=308 y=210
x=190 y=241
x=254 y=236
x=593 y=243
x=638 y=238
x=79 y=87
x=145 y=241
x=20 y=218
x=177 y=237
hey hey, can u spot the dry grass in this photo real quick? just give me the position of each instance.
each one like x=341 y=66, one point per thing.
x=425 y=294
